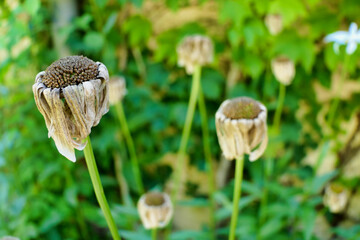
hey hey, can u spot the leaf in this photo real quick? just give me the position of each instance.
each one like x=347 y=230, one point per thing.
x=235 y=11
x=94 y=41
x=290 y=10
x=110 y=22
x=315 y=185
x=138 y=29
x=271 y=227
x=32 y=6
x=253 y=65
x=185 y=235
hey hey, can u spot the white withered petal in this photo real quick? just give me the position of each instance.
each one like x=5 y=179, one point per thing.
x=195 y=50
x=72 y=95
x=241 y=127
x=155 y=209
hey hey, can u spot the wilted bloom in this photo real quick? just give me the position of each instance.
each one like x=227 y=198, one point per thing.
x=72 y=95
x=274 y=23
x=241 y=127
x=195 y=50
x=350 y=38
x=155 y=209
x=283 y=69
x=117 y=89
x=336 y=197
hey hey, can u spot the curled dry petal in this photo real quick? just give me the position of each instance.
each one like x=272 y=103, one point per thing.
x=155 y=209
x=241 y=127
x=71 y=111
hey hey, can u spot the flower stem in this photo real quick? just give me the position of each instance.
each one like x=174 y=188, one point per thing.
x=236 y=198
x=279 y=107
x=336 y=101
x=154 y=233
x=99 y=191
x=131 y=146
x=208 y=158
x=186 y=133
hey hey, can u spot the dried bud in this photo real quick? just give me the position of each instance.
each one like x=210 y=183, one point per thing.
x=117 y=89
x=274 y=23
x=283 y=69
x=195 y=50
x=241 y=127
x=336 y=197
x=72 y=95
x=155 y=209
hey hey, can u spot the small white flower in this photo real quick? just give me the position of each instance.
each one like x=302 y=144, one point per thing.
x=350 y=38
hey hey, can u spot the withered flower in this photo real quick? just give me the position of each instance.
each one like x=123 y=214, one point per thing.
x=72 y=95
x=274 y=23
x=195 y=50
x=284 y=69
x=241 y=127
x=117 y=89
x=155 y=209
x=336 y=197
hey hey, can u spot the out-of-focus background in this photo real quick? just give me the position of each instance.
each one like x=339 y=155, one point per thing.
x=45 y=196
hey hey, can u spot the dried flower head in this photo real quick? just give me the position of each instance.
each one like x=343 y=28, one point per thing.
x=155 y=209
x=195 y=50
x=274 y=23
x=72 y=95
x=117 y=89
x=283 y=69
x=241 y=127
x=336 y=197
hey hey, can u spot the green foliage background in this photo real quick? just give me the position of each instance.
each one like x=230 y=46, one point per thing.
x=45 y=196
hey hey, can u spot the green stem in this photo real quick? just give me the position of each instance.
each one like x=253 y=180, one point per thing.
x=279 y=107
x=131 y=146
x=335 y=103
x=124 y=189
x=153 y=234
x=99 y=191
x=236 y=198
x=208 y=158
x=139 y=62
x=186 y=133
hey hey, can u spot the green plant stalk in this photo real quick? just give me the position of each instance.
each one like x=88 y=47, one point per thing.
x=124 y=189
x=237 y=193
x=131 y=147
x=336 y=101
x=139 y=61
x=99 y=191
x=279 y=107
x=154 y=233
x=186 y=133
x=208 y=158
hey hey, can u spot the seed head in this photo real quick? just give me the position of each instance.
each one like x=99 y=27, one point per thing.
x=155 y=209
x=241 y=128
x=71 y=70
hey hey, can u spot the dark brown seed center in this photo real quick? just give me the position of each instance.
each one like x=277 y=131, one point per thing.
x=71 y=70
x=154 y=199
x=242 y=107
